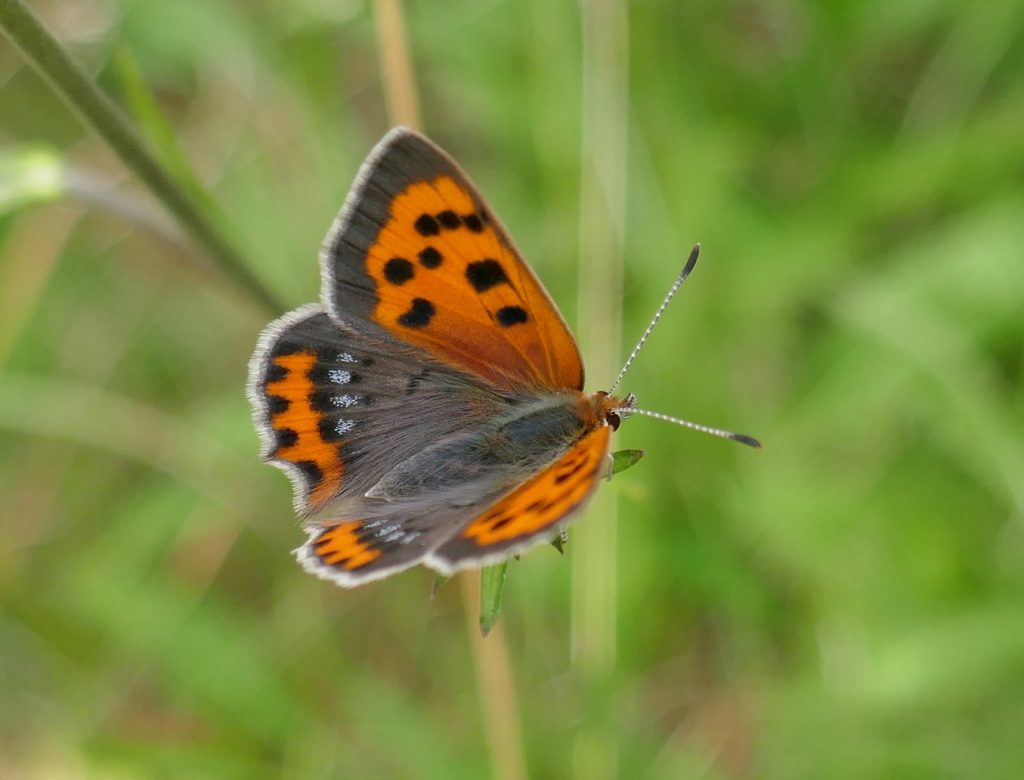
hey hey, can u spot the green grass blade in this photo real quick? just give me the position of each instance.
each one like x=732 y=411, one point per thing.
x=492 y=588
x=439 y=582
x=159 y=132
x=625 y=459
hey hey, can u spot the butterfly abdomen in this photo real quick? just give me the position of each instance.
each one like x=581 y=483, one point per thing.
x=542 y=430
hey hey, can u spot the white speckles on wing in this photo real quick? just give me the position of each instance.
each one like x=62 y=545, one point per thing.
x=343 y=426
x=344 y=401
x=398 y=533
x=392 y=532
x=345 y=357
x=340 y=376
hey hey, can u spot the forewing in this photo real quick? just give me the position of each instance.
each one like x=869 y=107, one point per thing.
x=417 y=252
x=531 y=513
x=337 y=408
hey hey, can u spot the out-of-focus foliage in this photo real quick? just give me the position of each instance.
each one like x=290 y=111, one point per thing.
x=845 y=603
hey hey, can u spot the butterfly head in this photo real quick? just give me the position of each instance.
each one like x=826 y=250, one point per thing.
x=611 y=409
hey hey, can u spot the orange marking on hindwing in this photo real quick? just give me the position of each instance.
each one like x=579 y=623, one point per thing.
x=449 y=282
x=341 y=546
x=547 y=497
x=318 y=459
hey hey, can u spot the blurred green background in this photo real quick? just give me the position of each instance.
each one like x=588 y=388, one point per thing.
x=849 y=602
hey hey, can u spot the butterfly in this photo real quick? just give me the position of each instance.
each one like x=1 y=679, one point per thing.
x=430 y=410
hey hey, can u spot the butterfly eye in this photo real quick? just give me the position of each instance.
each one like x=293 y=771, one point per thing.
x=613 y=420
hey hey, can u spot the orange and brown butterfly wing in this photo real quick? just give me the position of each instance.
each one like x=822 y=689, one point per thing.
x=350 y=552
x=338 y=409
x=531 y=513
x=291 y=423
x=353 y=552
x=417 y=252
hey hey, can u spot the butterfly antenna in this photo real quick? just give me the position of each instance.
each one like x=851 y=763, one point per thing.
x=690 y=263
x=750 y=441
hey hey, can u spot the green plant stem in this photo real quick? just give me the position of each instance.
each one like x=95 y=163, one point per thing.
x=603 y=180
x=100 y=113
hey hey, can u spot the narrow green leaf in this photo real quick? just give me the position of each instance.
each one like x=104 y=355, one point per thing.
x=29 y=174
x=624 y=459
x=439 y=582
x=160 y=134
x=492 y=588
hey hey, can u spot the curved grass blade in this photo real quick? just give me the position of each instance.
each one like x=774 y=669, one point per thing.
x=492 y=587
x=625 y=459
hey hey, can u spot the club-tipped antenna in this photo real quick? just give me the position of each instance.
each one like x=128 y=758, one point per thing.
x=690 y=263
x=750 y=441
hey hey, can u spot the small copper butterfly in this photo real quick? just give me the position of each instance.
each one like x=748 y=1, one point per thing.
x=431 y=409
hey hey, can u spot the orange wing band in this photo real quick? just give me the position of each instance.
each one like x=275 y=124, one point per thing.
x=547 y=498
x=449 y=282
x=340 y=546
x=298 y=424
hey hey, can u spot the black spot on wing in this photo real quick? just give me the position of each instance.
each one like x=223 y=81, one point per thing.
x=485 y=274
x=508 y=316
x=419 y=315
x=322 y=399
x=426 y=225
x=473 y=223
x=449 y=219
x=324 y=375
x=430 y=258
x=329 y=430
x=398 y=270
x=276 y=373
x=310 y=471
x=285 y=437
x=276 y=404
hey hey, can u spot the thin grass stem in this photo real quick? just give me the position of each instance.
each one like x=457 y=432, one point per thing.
x=497 y=687
x=495 y=680
x=98 y=111
x=602 y=228
x=396 y=64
